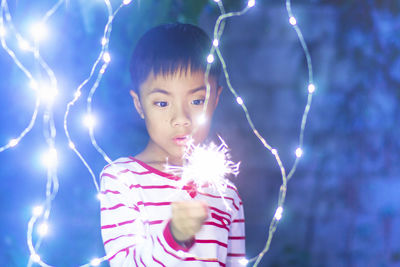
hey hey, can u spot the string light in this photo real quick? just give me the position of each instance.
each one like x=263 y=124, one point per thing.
x=37 y=211
x=201 y=119
x=89 y=121
x=95 y=262
x=244 y=261
x=39 y=32
x=311 y=88
x=3 y=32
x=24 y=45
x=43 y=229
x=210 y=58
x=278 y=213
x=299 y=152
x=13 y=142
x=49 y=158
x=215 y=42
x=293 y=21
x=239 y=100
x=106 y=57
x=218 y=29
x=251 y=3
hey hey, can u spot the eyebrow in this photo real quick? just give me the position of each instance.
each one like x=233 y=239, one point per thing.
x=165 y=92
x=195 y=90
x=158 y=90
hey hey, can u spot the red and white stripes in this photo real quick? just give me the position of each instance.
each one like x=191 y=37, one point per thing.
x=135 y=211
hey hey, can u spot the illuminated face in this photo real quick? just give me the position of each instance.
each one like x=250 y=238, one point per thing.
x=172 y=109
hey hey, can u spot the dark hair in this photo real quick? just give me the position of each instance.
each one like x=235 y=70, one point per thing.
x=171 y=48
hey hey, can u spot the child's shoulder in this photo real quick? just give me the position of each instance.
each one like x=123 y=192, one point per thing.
x=124 y=165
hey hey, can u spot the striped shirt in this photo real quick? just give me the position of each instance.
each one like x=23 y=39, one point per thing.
x=135 y=216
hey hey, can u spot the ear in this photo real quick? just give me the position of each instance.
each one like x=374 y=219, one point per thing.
x=219 y=90
x=136 y=102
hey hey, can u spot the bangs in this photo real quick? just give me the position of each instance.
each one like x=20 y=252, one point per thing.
x=171 y=49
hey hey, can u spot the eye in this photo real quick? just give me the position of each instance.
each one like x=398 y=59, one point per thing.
x=161 y=104
x=198 y=102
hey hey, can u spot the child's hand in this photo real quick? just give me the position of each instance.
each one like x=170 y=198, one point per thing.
x=187 y=219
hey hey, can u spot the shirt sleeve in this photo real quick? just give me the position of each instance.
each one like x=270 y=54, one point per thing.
x=236 y=240
x=125 y=230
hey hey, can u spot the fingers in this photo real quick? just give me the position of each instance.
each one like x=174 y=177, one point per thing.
x=187 y=218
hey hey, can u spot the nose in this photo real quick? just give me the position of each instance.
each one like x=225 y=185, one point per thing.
x=181 y=117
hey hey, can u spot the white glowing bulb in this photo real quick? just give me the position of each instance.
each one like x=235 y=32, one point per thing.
x=201 y=119
x=37 y=211
x=3 y=32
x=43 y=229
x=215 y=42
x=299 y=152
x=251 y=3
x=35 y=257
x=103 y=41
x=274 y=151
x=13 y=142
x=38 y=31
x=292 y=20
x=311 y=88
x=71 y=145
x=48 y=94
x=102 y=70
x=89 y=121
x=106 y=57
x=95 y=262
x=127 y=2
x=77 y=94
x=239 y=100
x=49 y=159
x=33 y=84
x=216 y=1
x=99 y=196
x=243 y=261
x=278 y=213
x=23 y=45
x=210 y=58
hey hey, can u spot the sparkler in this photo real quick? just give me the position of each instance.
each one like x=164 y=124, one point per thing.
x=206 y=165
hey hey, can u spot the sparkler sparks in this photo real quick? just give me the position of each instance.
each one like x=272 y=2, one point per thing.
x=206 y=165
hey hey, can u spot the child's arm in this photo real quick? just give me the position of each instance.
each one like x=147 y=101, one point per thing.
x=236 y=240
x=125 y=232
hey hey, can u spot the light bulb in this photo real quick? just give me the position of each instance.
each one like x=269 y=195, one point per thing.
x=299 y=152
x=106 y=57
x=38 y=31
x=311 y=88
x=37 y=211
x=292 y=20
x=251 y=3
x=89 y=121
x=95 y=262
x=210 y=58
x=49 y=159
x=278 y=213
x=13 y=142
x=215 y=42
x=43 y=229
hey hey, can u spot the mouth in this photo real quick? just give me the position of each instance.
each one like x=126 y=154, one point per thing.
x=181 y=140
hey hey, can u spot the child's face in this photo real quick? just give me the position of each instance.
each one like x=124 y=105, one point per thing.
x=171 y=107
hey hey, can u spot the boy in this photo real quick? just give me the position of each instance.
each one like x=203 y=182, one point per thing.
x=146 y=218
